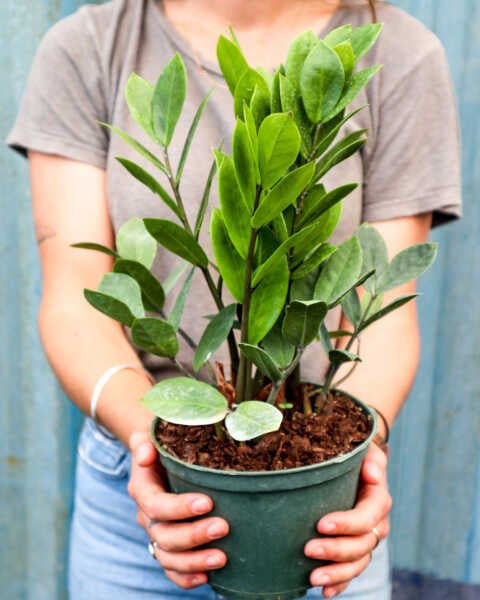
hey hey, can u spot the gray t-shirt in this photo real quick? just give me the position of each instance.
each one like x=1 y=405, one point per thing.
x=410 y=164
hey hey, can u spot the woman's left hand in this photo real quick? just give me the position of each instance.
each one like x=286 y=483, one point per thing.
x=351 y=551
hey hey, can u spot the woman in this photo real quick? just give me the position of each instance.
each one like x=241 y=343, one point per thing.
x=410 y=179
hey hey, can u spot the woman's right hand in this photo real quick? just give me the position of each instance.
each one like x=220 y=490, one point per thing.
x=162 y=515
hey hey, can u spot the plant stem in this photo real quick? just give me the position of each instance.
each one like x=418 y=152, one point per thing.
x=288 y=371
x=219 y=432
x=181 y=368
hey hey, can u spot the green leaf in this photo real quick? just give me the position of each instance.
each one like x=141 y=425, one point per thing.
x=124 y=289
x=331 y=129
x=135 y=243
x=109 y=306
x=190 y=136
x=376 y=303
x=262 y=360
x=340 y=152
x=174 y=276
x=338 y=35
x=345 y=53
x=277 y=346
x=232 y=62
x=186 y=401
x=139 y=94
x=285 y=192
x=168 y=99
x=214 y=335
x=299 y=49
x=338 y=357
x=136 y=145
x=387 y=309
x=252 y=419
x=302 y=320
x=230 y=264
x=97 y=247
x=340 y=272
x=139 y=173
x=351 y=307
x=275 y=101
x=155 y=336
x=357 y=83
x=278 y=146
x=292 y=103
x=407 y=265
x=321 y=82
x=151 y=288
x=324 y=337
x=244 y=161
x=205 y=199
x=316 y=202
x=375 y=255
x=318 y=256
x=260 y=104
x=364 y=37
x=325 y=225
x=252 y=138
x=174 y=238
x=177 y=311
x=247 y=82
x=267 y=302
x=235 y=212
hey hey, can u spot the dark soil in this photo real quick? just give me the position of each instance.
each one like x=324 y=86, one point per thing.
x=337 y=427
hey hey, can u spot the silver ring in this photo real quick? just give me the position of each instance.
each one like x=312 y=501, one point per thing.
x=152 y=546
x=377 y=535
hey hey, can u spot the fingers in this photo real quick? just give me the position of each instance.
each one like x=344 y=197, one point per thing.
x=345 y=549
x=374 y=467
x=339 y=573
x=334 y=590
x=186 y=582
x=191 y=562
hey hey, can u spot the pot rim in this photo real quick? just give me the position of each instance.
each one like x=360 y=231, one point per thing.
x=370 y=410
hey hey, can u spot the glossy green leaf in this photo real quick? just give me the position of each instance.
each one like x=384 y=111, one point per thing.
x=340 y=272
x=364 y=37
x=338 y=35
x=370 y=304
x=124 y=289
x=251 y=419
x=139 y=173
x=230 y=264
x=407 y=265
x=174 y=238
x=232 y=62
x=205 y=200
x=285 y=192
x=168 y=99
x=357 y=83
x=186 y=401
x=135 y=243
x=155 y=336
x=176 y=313
x=97 y=247
x=139 y=94
x=338 y=357
x=325 y=225
x=278 y=146
x=267 y=302
x=244 y=161
x=331 y=129
x=260 y=104
x=352 y=308
x=302 y=321
x=291 y=102
x=152 y=290
x=299 y=49
x=321 y=82
x=277 y=346
x=109 y=306
x=275 y=101
x=214 y=335
x=174 y=276
x=324 y=337
x=387 y=309
x=345 y=53
x=340 y=152
x=318 y=256
x=190 y=136
x=375 y=255
x=235 y=212
x=247 y=82
x=252 y=138
x=316 y=202
x=262 y=360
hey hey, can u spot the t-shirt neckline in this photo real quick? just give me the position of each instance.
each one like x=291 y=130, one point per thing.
x=185 y=48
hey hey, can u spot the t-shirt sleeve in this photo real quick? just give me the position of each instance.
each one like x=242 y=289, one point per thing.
x=414 y=165
x=64 y=97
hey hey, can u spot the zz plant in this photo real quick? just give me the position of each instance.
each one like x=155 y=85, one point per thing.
x=270 y=234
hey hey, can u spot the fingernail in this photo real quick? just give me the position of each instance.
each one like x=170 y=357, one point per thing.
x=215 y=531
x=214 y=560
x=200 y=505
x=318 y=552
x=321 y=579
x=327 y=526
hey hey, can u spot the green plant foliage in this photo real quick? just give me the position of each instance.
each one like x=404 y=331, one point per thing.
x=168 y=99
x=291 y=103
x=375 y=254
x=176 y=239
x=387 y=310
x=109 y=306
x=190 y=136
x=135 y=243
x=244 y=161
x=139 y=94
x=338 y=35
x=297 y=53
x=352 y=308
x=153 y=295
x=97 y=247
x=124 y=289
x=186 y=401
x=155 y=336
x=251 y=419
x=338 y=357
x=174 y=276
x=407 y=265
x=317 y=201
x=277 y=346
x=358 y=82
x=214 y=335
x=345 y=53
x=302 y=320
x=262 y=360
x=249 y=81
x=177 y=311
x=315 y=258
x=232 y=62
x=362 y=38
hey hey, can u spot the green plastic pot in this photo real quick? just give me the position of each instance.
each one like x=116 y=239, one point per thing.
x=271 y=514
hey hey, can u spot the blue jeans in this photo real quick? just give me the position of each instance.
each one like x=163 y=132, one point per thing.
x=108 y=549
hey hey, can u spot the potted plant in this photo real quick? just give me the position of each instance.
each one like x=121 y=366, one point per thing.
x=274 y=452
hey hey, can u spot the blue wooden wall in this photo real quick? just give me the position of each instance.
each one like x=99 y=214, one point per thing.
x=435 y=468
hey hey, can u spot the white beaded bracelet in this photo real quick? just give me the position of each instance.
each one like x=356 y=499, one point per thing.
x=103 y=379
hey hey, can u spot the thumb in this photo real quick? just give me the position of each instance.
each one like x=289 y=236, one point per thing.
x=374 y=466
x=144 y=452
